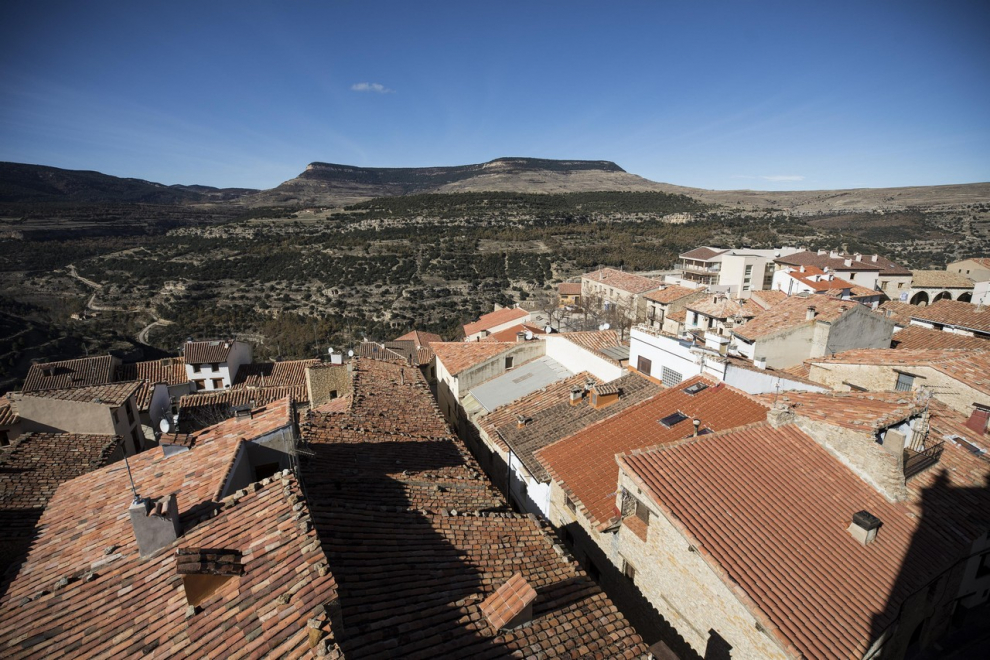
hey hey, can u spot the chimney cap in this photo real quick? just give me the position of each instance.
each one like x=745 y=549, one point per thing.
x=866 y=520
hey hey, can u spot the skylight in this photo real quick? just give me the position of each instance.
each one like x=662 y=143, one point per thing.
x=672 y=420
x=694 y=389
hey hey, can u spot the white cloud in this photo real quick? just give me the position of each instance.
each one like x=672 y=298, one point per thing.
x=783 y=177
x=377 y=88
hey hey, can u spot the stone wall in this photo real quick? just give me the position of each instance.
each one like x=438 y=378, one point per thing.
x=326 y=382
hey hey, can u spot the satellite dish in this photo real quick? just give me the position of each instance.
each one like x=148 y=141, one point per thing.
x=529 y=335
x=605 y=326
x=330 y=350
x=548 y=328
x=350 y=353
x=165 y=425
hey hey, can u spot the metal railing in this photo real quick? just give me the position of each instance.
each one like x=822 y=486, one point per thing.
x=916 y=462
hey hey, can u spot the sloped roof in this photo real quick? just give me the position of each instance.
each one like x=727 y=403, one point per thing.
x=584 y=463
x=171 y=371
x=422 y=339
x=823 y=261
x=722 y=307
x=595 y=341
x=860 y=411
x=112 y=394
x=400 y=501
x=457 y=356
x=629 y=282
x=817 y=279
x=7 y=415
x=767 y=298
x=202 y=352
x=899 y=312
x=288 y=373
x=81 y=372
x=968 y=366
x=529 y=377
x=669 y=294
x=953 y=312
x=509 y=334
x=702 y=253
x=939 y=279
x=493 y=319
x=569 y=288
x=550 y=416
x=916 y=336
x=791 y=313
x=817 y=588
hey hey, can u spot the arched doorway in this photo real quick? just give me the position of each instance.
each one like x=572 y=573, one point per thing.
x=965 y=297
x=920 y=299
x=942 y=296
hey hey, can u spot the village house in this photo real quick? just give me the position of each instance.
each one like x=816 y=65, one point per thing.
x=170 y=372
x=609 y=288
x=378 y=470
x=599 y=352
x=931 y=286
x=841 y=534
x=959 y=378
x=955 y=317
x=798 y=328
x=718 y=314
x=976 y=269
x=795 y=280
x=213 y=365
x=868 y=271
x=733 y=271
x=569 y=293
x=490 y=323
x=917 y=336
x=66 y=374
x=668 y=300
x=214 y=552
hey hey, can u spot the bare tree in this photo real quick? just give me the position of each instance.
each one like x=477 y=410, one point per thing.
x=548 y=304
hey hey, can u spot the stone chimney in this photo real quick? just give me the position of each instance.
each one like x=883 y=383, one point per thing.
x=848 y=262
x=864 y=527
x=156 y=523
x=811 y=313
x=894 y=441
x=511 y=605
x=780 y=415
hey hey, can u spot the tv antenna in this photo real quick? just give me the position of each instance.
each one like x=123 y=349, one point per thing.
x=137 y=498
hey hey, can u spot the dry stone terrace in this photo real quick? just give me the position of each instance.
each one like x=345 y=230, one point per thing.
x=416 y=538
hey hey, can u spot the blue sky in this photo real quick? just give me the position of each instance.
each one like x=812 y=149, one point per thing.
x=763 y=95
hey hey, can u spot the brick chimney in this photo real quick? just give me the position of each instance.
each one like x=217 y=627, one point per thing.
x=603 y=395
x=156 y=523
x=521 y=421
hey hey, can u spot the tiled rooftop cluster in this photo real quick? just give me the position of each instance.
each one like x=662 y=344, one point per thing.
x=916 y=336
x=111 y=394
x=458 y=356
x=203 y=352
x=791 y=312
x=494 y=319
x=622 y=280
x=966 y=365
x=288 y=373
x=84 y=589
x=417 y=538
x=596 y=341
x=69 y=373
x=171 y=371
x=191 y=405
x=953 y=312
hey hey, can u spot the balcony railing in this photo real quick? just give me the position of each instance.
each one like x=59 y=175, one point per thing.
x=699 y=269
x=916 y=462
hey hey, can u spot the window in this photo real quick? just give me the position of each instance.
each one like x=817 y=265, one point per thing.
x=218 y=383
x=138 y=446
x=904 y=382
x=116 y=417
x=196 y=368
x=130 y=413
x=569 y=503
x=4 y=439
x=200 y=384
x=215 y=367
x=508 y=362
x=642 y=512
x=644 y=365
x=852 y=276
x=669 y=377
x=629 y=570
x=593 y=571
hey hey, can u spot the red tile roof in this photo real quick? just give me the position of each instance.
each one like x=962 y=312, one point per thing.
x=171 y=371
x=459 y=356
x=113 y=394
x=791 y=313
x=817 y=279
x=916 y=336
x=860 y=411
x=702 y=253
x=584 y=463
x=669 y=294
x=400 y=502
x=953 y=312
x=509 y=334
x=968 y=366
x=7 y=415
x=203 y=352
x=629 y=282
x=823 y=261
x=722 y=307
x=774 y=527
x=493 y=319
x=569 y=288
x=595 y=341
x=422 y=339
x=81 y=372
x=899 y=312
x=508 y=601
x=768 y=298
x=290 y=373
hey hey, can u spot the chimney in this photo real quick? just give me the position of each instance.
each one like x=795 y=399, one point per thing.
x=156 y=524
x=843 y=308
x=874 y=257
x=603 y=395
x=511 y=605
x=858 y=257
x=521 y=421
x=810 y=316
x=780 y=415
x=760 y=362
x=243 y=412
x=802 y=269
x=821 y=252
x=576 y=394
x=833 y=254
x=697 y=425
x=848 y=262
x=520 y=336
x=893 y=441
x=864 y=527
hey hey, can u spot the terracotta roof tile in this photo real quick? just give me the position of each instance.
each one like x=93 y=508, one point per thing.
x=211 y=404
x=113 y=394
x=861 y=411
x=791 y=313
x=939 y=279
x=569 y=288
x=818 y=280
x=584 y=463
x=595 y=341
x=702 y=253
x=509 y=334
x=955 y=313
x=722 y=307
x=775 y=526
x=823 y=261
x=968 y=366
x=630 y=282
x=422 y=339
x=289 y=373
x=916 y=336
x=7 y=415
x=203 y=352
x=69 y=373
x=550 y=416
x=899 y=312
x=399 y=500
x=171 y=371
x=669 y=294
x=508 y=601
x=767 y=298
x=496 y=318
x=461 y=355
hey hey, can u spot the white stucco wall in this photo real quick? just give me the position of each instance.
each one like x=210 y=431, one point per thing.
x=578 y=359
x=664 y=351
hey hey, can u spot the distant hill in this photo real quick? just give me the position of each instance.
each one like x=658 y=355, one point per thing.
x=34 y=184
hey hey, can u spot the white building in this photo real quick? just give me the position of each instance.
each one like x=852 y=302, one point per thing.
x=213 y=365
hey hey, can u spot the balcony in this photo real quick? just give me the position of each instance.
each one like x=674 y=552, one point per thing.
x=688 y=267
x=916 y=462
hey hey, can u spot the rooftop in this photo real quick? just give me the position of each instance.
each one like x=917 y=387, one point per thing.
x=952 y=312
x=629 y=282
x=767 y=298
x=823 y=259
x=112 y=394
x=202 y=352
x=791 y=313
x=510 y=334
x=569 y=288
x=817 y=279
x=815 y=587
x=81 y=372
x=899 y=312
x=916 y=336
x=7 y=415
x=860 y=411
x=199 y=410
x=670 y=293
x=939 y=279
x=550 y=416
x=702 y=253
x=983 y=261
x=399 y=501
x=461 y=355
x=584 y=463
x=289 y=373
x=171 y=371
x=84 y=586
x=968 y=366
x=496 y=318
x=524 y=379
x=603 y=343
x=422 y=339
x=719 y=306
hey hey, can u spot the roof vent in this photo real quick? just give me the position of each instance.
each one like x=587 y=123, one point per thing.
x=521 y=336
x=156 y=523
x=511 y=605
x=864 y=527
x=242 y=412
x=810 y=315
